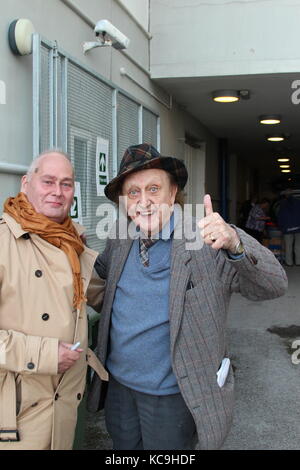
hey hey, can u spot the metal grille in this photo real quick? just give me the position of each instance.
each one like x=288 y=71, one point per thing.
x=89 y=116
x=58 y=121
x=45 y=99
x=80 y=153
x=149 y=127
x=75 y=106
x=127 y=123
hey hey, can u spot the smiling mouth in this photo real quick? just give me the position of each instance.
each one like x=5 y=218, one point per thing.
x=145 y=214
x=55 y=204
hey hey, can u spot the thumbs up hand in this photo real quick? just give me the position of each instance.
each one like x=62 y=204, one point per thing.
x=215 y=231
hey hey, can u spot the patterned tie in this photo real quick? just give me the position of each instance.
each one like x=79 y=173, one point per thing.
x=145 y=244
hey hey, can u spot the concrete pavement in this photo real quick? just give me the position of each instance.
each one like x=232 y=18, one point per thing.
x=267 y=411
x=260 y=334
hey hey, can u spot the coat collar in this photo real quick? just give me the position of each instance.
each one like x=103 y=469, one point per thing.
x=87 y=258
x=13 y=226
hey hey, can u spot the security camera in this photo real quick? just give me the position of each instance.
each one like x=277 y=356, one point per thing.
x=107 y=35
x=108 y=32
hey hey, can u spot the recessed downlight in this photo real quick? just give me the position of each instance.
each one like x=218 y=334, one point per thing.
x=275 y=138
x=270 y=119
x=225 y=96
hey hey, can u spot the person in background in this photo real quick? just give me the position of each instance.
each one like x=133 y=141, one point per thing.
x=45 y=271
x=245 y=210
x=163 y=322
x=289 y=223
x=257 y=218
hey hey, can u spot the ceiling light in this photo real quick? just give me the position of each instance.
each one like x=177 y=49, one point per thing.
x=270 y=119
x=225 y=96
x=284 y=166
x=283 y=160
x=285 y=171
x=275 y=138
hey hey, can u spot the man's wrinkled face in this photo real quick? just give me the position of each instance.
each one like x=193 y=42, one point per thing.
x=50 y=189
x=149 y=198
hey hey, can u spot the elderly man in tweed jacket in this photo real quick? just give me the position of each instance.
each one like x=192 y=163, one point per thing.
x=162 y=329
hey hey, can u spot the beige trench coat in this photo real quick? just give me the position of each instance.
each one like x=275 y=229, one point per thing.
x=36 y=297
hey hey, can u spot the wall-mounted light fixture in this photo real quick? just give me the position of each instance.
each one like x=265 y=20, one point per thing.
x=20 y=36
x=285 y=171
x=270 y=119
x=282 y=160
x=284 y=166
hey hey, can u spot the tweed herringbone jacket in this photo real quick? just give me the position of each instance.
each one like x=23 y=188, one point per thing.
x=197 y=321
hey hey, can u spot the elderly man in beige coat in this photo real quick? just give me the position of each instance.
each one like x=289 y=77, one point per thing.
x=46 y=277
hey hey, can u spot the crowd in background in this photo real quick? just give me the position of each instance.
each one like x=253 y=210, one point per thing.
x=262 y=217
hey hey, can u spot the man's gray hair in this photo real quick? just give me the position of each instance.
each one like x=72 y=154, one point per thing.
x=34 y=164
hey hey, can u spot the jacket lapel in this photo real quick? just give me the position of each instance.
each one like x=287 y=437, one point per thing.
x=87 y=261
x=180 y=274
x=119 y=258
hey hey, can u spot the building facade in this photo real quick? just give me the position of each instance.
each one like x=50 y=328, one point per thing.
x=59 y=96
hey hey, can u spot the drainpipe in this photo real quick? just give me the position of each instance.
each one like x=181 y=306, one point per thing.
x=223 y=177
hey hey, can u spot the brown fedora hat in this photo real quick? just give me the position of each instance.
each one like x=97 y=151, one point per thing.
x=144 y=157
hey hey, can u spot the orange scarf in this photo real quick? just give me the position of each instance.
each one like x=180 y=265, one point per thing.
x=63 y=236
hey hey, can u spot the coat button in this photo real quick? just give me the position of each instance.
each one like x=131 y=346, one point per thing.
x=78 y=396
x=45 y=316
x=26 y=236
x=38 y=273
x=30 y=365
x=56 y=396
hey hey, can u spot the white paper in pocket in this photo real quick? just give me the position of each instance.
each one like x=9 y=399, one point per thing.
x=223 y=371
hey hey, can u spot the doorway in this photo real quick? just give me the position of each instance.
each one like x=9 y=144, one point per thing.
x=194 y=158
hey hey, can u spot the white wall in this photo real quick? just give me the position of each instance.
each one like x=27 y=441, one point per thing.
x=139 y=9
x=217 y=38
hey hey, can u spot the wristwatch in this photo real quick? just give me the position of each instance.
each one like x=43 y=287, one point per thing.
x=239 y=249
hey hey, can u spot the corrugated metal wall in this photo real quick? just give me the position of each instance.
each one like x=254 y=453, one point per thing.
x=75 y=106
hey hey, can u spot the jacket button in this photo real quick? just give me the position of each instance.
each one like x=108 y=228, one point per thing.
x=56 y=396
x=78 y=396
x=38 y=273
x=30 y=365
x=45 y=316
x=26 y=236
